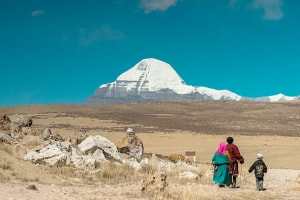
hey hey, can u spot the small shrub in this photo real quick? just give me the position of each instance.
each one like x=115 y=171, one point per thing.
x=97 y=165
x=148 y=169
x=294 y=189
x=26 y=179
x=65 y=171
x=4 y=177
x=5 y=166
x=115 y=174
x=5 y=147
x=14 y=174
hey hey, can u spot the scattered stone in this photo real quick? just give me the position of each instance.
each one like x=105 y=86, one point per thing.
x=57 y=137
x=157 y=181
x=188 y=175
x=26 y=131
x=47 y=134
x=178 y=157
x=6 y=138
x=161 y=164
x=187 y=166
x=31 y=187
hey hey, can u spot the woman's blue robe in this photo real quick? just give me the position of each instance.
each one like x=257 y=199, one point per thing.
x=221 y=171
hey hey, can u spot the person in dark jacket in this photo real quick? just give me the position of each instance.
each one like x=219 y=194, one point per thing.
x=259 y=168
x=236 y=158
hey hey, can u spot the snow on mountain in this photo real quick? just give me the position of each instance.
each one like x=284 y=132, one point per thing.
x=153 y=75
x=154 y=80
x=218 y=94
x=280 y=97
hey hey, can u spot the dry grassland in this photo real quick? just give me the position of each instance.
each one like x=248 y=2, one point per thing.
x=165 y=128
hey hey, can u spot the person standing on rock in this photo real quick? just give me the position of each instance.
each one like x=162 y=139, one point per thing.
x=236 y=158
x=220 y=161
x=259 y=168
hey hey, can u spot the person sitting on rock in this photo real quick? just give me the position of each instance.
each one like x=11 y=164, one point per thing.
x=131 y=145
x=130 y=132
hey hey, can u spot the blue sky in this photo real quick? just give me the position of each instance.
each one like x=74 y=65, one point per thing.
x=61 y=51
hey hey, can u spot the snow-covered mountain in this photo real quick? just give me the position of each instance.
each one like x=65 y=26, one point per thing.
x=154 y=80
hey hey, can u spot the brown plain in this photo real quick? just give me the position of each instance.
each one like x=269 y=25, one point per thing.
x=272 y=129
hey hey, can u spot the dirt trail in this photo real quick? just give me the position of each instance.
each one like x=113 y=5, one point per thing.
x=281 y=184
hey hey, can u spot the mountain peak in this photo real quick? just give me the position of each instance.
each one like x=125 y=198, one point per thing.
x=154 y=80
x=152 y=74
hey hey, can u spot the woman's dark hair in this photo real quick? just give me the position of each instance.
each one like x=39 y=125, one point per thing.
x=229 y=140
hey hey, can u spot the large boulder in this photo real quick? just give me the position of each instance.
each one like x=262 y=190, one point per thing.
x=19 y=121
x=92 y=143
x=59 y=153
x=131 y=146
x=51 y=154
x=78 y=160
x=92 y=149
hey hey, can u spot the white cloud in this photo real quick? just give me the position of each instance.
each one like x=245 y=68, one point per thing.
x=37 y=13
x=105 y=32
x=157 y=5
x=272 y=8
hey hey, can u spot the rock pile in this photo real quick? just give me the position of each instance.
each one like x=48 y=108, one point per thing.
x=14 y=127
x=86 y=151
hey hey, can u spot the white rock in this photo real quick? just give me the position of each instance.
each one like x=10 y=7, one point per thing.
x=94 y=142
x=188 y=175
x=99 y=156
x=51 y=154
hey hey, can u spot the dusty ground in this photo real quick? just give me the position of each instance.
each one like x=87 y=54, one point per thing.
x=272 y=129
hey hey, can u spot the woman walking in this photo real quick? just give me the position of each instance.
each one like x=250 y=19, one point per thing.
x=221 y=161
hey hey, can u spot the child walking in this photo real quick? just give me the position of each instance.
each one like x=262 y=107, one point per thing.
x=259 y=168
